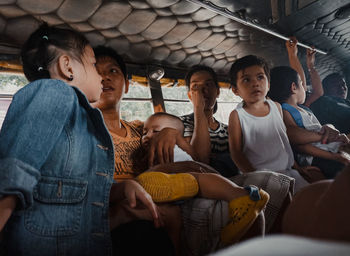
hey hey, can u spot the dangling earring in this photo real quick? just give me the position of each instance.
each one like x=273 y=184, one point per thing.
x=70 y=78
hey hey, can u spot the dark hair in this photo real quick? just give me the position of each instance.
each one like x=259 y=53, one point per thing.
x=281 y=79
x=103 y=51
x=246 y=62
x=329 y=81
x=43 y=47
x=199 y=68
x=172 y=117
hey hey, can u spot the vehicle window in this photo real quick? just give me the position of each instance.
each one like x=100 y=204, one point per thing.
x=227 y=102
x=176 y=101
x=137 y=103
x=9 y=85
x=4 y=104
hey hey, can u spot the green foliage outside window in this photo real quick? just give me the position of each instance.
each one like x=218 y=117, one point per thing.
x=11 y=83
x=141 y=107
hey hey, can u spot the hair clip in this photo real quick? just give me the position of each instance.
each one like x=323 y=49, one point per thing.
x=45 y=37
x=40 y=68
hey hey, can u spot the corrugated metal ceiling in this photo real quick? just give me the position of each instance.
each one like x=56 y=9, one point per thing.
x=178 y=34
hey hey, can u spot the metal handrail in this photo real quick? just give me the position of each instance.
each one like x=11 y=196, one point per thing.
x=228 y=14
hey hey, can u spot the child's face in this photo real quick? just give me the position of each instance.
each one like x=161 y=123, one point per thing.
x=252 y=84
x=152 y=126
x=86 y=77
x=300 y=91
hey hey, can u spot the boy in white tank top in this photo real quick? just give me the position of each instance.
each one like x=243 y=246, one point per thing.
x=257 y=134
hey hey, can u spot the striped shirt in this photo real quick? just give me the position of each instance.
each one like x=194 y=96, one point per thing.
x=218 y=137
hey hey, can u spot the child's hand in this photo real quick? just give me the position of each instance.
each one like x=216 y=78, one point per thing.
x=343 y=138
x=135 y=192
x=310 y=58
x=329 y=134
x=291 y=46
x=342 y=158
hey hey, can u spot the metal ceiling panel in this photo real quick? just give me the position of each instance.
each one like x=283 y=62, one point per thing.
x=180 y=33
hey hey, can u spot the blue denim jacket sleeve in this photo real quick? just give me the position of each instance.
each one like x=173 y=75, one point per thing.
x=36 y=117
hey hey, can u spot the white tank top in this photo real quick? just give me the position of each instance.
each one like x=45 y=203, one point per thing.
x=265 y=141
x=181 y=155
x=311 y=123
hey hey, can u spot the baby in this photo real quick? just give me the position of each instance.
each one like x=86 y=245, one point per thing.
x=244 y=203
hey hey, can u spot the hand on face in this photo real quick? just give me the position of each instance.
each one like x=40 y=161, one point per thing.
x=197 y=97
x=203 y=90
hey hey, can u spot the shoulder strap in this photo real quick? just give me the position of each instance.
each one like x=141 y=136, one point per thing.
x=294 y=113
x=305 y=108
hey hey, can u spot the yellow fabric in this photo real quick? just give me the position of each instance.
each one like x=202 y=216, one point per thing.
x=165 y=187
x=242 y=211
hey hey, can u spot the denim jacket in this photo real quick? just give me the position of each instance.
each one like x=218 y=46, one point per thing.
x=57 y=157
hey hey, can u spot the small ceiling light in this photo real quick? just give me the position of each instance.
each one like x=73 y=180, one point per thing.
x=156 y=74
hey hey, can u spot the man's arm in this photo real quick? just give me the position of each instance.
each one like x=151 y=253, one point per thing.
x=316 y=152
x=200 y=140
x=294 y=62
x=317 y=89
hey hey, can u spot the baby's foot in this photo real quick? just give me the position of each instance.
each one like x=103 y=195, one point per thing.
x=242 y=212
x=168 y=187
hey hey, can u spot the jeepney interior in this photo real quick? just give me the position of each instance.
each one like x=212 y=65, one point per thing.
x=167 y=37
x=161 y=39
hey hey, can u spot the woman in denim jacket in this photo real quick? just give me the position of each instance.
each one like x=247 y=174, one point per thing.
x=56 y=155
